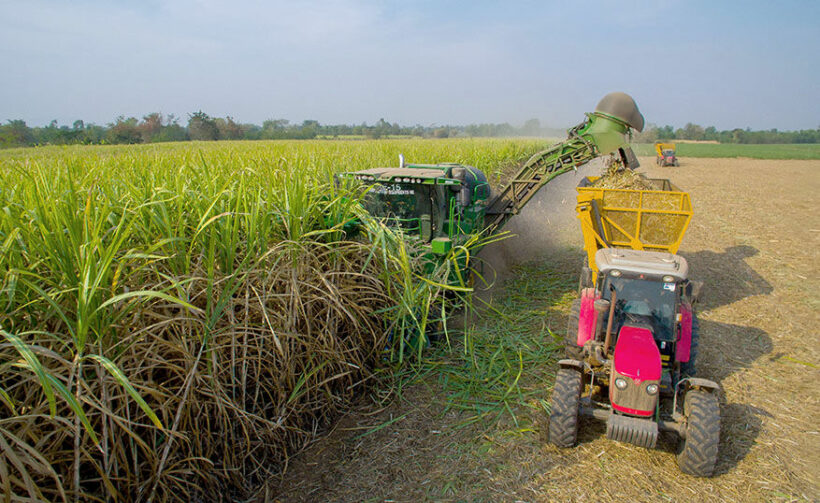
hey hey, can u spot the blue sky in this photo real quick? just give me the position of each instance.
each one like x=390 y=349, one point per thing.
x=728 y=64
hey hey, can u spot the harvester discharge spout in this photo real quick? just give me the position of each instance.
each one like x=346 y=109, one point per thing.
x=603 y=132
x=621 y=106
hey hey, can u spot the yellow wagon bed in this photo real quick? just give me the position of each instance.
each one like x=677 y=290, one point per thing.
x=654 y=220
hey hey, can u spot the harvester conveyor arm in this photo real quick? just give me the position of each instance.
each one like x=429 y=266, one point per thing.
x=603 y=132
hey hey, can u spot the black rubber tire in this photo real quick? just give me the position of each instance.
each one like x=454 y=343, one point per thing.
x=687 y=369
x=699 y=450
x=571 y=348
x=566 y=401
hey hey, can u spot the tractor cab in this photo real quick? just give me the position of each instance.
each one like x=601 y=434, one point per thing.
x=436 y=203
x=645 y=287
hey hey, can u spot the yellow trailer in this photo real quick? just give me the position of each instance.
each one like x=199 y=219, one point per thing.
x=652 y=220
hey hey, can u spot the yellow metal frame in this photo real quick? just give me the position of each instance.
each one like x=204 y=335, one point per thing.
x=660 y=147
x=597 y=223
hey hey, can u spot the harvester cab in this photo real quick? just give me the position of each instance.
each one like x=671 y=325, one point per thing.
x=439 y=204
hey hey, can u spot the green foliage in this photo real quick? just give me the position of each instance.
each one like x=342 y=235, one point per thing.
x=202 y=127
x=155 y=127
x=177 y=317
x=124 y=131
x=15 y=134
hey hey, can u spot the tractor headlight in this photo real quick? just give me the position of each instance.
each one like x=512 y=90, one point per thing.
x=652 y=389
x=668 y=279
x=615 y=273
x=620 y=383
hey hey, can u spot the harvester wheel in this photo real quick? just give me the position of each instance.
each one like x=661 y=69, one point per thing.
x=687 y=369
x=566 y=400
x=571 y=348
x=699 y=450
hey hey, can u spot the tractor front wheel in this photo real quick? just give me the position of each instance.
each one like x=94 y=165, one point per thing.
x=566 y=402
x=699 y=450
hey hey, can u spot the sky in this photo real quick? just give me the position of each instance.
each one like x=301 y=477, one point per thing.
x=431 y=62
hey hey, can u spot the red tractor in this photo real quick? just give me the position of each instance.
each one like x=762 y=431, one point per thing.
x=633 y=334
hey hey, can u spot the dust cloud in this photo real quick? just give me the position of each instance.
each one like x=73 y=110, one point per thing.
x=545 y=225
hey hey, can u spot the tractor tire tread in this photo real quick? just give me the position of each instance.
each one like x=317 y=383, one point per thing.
x=566 y=399
x=699 y=452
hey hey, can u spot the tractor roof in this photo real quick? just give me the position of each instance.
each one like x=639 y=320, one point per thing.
x=642 y=262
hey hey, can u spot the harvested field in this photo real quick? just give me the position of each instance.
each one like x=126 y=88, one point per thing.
x=753 y=241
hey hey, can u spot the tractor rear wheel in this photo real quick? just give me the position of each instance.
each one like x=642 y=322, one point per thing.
x=571 y=347
x=566 y=402
x=699 y=450
x=687 y=369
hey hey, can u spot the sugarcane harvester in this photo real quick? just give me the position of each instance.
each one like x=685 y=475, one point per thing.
x=443 y=205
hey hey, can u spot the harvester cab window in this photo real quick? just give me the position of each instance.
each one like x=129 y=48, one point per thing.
x=644 y=300
x=401 y=204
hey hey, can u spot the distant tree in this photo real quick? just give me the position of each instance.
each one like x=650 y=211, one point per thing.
x=202 y=127
x=371 y=132
x=442 y=132
x=531 y=128
x=124 y=131
x=228 y=129
x=274 y=129
x=710 y=133
x=16 y=134
x=692 y=132
x=150 y=127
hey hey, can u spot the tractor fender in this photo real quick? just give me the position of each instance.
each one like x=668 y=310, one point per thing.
x=684 y=345
x=587 y=317
x=704 y=384
x=571 y=364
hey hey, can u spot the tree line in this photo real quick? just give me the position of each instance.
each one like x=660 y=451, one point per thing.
x=156 y=127
x=691 y=131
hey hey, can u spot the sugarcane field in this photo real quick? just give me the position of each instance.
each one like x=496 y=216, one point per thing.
x=535 y=278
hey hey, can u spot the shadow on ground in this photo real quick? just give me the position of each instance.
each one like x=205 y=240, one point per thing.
x=726 y=276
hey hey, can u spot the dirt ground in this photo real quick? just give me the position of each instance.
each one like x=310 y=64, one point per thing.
x=753 y=242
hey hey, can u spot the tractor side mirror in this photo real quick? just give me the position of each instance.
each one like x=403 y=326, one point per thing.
x=694 y=289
